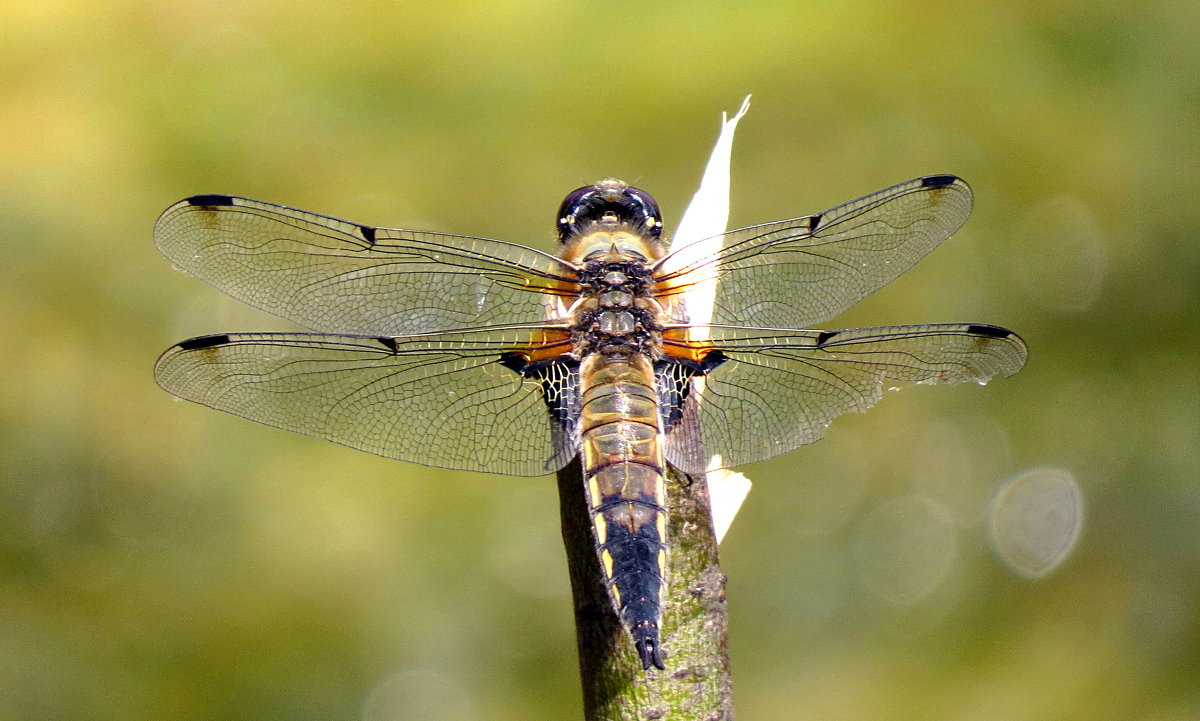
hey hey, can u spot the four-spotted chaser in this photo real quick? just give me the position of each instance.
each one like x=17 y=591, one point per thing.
x=482 y=355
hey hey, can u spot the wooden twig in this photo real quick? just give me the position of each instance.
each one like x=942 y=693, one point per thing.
x=696 y=686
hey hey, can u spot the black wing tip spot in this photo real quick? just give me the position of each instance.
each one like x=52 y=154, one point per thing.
x=990 y=331
x=389 y=343
x=814 y=221
x=367 y=232
x=938 y=181
x=826 y=336
x=209 y=201
x=204 y=341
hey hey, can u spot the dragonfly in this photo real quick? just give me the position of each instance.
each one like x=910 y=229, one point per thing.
x=482 y=355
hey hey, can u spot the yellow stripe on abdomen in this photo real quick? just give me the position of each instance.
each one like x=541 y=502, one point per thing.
x=624 y=471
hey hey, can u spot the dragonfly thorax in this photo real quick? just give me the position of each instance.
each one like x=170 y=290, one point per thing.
x=615 y=313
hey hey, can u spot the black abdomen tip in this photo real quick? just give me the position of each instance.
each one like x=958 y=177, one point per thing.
x=649 y=653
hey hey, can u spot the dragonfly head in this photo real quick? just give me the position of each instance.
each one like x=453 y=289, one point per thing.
x=609 y=204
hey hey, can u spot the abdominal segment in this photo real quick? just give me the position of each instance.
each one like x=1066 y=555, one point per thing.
x=623 y=467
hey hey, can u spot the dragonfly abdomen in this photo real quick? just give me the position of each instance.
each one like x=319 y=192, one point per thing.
x=623 y=467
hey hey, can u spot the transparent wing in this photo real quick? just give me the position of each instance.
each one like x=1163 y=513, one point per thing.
x=443 y=400
x=335 y=276
x=777 y=390
x=801 y=272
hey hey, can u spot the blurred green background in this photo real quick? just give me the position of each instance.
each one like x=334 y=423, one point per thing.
x=162 y=561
